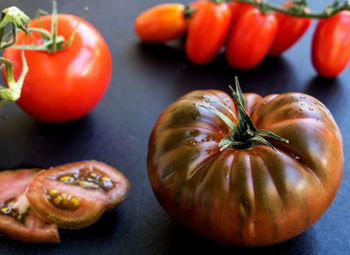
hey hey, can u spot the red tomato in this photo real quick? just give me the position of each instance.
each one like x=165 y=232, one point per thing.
x=207 y=31
x=65 y=85
x=290 y=29
x=250 y=39
x=76 y=195
x=161 y=23
x=17 y=220
x=330 y=45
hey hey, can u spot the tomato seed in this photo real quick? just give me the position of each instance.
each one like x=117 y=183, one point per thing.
x=75 y=202
x=57 y=200
x=53 y=192
x=67 y=179
x=5 y=210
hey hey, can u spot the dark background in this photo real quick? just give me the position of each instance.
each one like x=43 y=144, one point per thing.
x=146 y=78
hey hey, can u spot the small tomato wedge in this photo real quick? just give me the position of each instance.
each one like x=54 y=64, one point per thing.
x=250 y=39
x=207 y=31
x=161 y=23
x=290 y=29
x=17 y=220
x=75 y=195
x=330 y=45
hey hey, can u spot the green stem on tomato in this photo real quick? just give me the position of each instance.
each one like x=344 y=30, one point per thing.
x=70 y=40
x=243 y=134
x=54 y=27
x=51 y=41
x=297 y=9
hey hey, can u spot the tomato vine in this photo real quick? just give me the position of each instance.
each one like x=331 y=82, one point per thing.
x=297 y=8
x=17 y=20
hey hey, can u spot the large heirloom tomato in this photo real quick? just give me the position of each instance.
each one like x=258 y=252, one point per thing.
x=227 y=185
x=17 y=220
x=67 y=84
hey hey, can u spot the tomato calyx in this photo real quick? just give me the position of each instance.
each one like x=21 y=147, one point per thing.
x=188 y=11
x=50 y=41
x=243 y=134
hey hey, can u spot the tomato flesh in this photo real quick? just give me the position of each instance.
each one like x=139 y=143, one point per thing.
x=75 y=195
x=17 y=220
x=65 y=85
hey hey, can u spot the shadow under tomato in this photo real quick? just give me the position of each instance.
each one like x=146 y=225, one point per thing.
x=176 y=239
x=271 y=76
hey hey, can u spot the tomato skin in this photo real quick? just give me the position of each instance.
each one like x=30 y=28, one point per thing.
x=65 y=85
x=161 y=23
x=250 y=197
x=207 y=31
x=93 y=200
x=13 y=185
x=330 y=45
x=290 y=29
x=238 y=9
x=242 y=49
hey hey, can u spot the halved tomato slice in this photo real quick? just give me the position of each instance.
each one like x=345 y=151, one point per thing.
x=75 y=195
x=17 y=220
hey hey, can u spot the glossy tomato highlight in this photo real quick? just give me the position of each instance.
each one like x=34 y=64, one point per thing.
x=65 y=85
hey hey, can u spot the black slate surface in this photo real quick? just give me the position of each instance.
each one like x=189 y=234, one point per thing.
x=146 y=78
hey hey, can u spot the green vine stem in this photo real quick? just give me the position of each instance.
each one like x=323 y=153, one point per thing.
x=51 y=41
x=18 y=20
x=297 y=8
x=243 y=135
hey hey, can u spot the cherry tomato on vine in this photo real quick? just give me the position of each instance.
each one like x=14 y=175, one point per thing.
x=330 y=45
x=250 y=39
x=207 y=30
x=67 y=84
x=161 y=23
x=17 y=220
x=75 y=195
x=290 y=29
